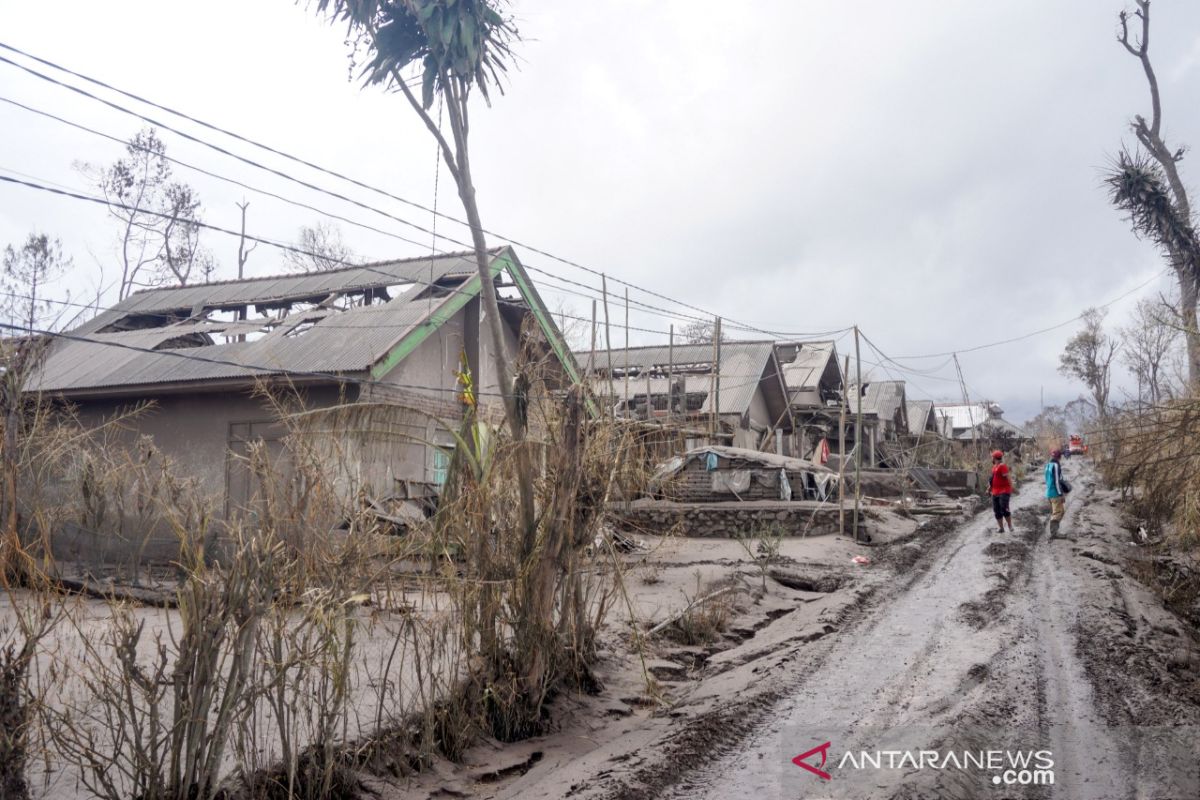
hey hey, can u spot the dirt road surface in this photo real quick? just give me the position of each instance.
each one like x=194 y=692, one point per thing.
x=980 y=654
x=1046 y=661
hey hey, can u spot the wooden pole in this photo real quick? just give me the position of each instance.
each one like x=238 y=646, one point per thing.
x=592 y=352
x=857 y=432
x=842 y=454
x=671 y=374
x=626 y=344
x=607 y=334
x=717 y=375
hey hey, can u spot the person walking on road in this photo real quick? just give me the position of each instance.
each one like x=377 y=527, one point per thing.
x=1002 y=490
x=1056 y=491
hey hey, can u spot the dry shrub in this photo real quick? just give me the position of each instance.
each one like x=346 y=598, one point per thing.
x=1152 y=456
x=529 y=601
x=271 y=679
x=21 y=694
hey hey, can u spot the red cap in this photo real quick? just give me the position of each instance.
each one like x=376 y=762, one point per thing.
x=997 y=454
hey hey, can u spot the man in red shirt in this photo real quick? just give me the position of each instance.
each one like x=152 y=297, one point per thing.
x=1002 y=489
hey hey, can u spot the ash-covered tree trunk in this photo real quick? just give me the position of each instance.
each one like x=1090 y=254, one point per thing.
x=1153 y=193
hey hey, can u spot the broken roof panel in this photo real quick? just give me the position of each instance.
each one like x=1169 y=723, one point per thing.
x=811 y=364
x=330 y=341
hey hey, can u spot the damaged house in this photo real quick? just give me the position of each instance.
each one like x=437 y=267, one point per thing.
x=814 y=381
x=731 y=395
x=925 y=444
x=389 y=340
x=885 y=421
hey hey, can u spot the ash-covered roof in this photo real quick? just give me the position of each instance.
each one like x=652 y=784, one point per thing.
x=920 y=416
x=964 y=415
x=882 y=398
x=339 y=322
x=808 y=365
x=745 y=366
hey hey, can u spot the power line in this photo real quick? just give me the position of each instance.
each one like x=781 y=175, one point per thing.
x=708 y=314
x=208 y=173
x=1031 y=334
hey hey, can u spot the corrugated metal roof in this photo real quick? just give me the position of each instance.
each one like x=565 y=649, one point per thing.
x=811 y=361
x=278 y=288
x=919 y=416
x=965 y=415
x=999 y=424
x=346 y=341
x=883 y=398
x=743 y=366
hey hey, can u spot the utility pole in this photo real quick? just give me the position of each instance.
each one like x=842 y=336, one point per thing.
x=592 y=351
x=607 y=335
x=626 y=344
x=970 y=418
x=671 y=374
x=842 y=454
x=717 y=372
x=857 y=432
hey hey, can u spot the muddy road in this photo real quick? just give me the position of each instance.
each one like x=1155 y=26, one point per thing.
x=958 y=663
x=974 y=681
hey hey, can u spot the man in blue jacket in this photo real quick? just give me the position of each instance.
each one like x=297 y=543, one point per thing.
x=1056 y=491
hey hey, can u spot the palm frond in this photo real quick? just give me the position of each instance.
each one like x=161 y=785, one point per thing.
x=1138 y=187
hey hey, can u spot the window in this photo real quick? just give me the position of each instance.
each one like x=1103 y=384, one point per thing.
x=441 y=465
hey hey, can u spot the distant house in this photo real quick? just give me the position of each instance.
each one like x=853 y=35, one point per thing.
x=389 y=338
x=982 y=421
x=734 y=395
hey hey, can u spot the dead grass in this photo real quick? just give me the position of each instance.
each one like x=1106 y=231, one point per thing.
x=271 y=678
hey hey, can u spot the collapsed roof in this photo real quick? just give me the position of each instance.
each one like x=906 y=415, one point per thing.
x=356 y=321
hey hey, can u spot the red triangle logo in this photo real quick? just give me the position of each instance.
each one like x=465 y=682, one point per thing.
x=800 y=761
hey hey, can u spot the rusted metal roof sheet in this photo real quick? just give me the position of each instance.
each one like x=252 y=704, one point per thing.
x=330 y=341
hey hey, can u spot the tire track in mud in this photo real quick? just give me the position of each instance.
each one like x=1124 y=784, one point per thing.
x=679 y=765
x=907 y=668
x=979 y=654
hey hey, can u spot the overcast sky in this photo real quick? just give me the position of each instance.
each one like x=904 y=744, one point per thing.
x=928 y=170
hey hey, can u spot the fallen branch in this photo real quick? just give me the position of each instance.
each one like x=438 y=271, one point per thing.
x=671 y=620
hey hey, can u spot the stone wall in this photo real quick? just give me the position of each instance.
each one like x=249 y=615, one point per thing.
x=729 y=519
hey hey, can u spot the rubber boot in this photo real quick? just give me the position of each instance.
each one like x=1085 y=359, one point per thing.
x=1054 y=528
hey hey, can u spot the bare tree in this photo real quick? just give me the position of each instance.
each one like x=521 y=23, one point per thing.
x=1147 y=343
x=1088 y=358
x=159 y=218
x=1148 y=187
x=25 y=274
x=319 y=248
x=243 y=253
x=700 y=332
